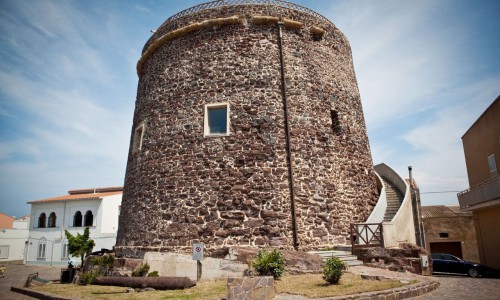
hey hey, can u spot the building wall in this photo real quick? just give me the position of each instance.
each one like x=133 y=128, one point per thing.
x=55 y=238
x=487 y=223
x=234 y=190
x=459 y=229
x=6 y=221
x=480 y=141
x=12 y=244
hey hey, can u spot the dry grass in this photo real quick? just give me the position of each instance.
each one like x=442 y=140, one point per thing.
x=311 y=285
x=213 y=290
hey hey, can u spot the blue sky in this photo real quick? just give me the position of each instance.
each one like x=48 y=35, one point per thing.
x=426 y=70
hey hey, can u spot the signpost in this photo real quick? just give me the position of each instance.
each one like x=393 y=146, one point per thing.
x=198 y=256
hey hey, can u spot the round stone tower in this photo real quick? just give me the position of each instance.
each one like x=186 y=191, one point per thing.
x=248 y=130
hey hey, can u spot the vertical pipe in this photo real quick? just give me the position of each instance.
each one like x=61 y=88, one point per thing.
x=287 y=133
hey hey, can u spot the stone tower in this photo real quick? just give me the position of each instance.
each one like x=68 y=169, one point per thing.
x=248 y=130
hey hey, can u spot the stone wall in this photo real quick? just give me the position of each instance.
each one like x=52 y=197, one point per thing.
x=182 y=187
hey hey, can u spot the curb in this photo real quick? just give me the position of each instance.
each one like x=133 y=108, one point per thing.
x=37 y=295
x=404 y=292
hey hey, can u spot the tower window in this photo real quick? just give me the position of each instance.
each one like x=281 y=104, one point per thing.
x=138 y=135
x=336 y=128
x=216 y=119
x=492 y=165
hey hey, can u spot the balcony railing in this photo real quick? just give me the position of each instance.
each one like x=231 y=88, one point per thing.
x=486 y=191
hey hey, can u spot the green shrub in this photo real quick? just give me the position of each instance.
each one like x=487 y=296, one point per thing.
x=269 y=263
x=153 y=274
x=89 y=277
x=103 y=261
x=141 y=271
x=333 y=270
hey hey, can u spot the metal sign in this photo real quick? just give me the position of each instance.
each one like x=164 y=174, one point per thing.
x=198 y=251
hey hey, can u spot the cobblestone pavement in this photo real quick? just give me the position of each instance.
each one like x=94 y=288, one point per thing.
x=451 y=287
x=16 y=275
x=464 y=287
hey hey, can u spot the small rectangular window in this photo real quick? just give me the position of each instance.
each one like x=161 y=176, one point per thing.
x=138 y=135
x=216 y=119
x=443 y=235
x=492 y=165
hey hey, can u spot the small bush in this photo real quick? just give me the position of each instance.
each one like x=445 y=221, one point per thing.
x=269 y=263
x=141 y=271
x=89 y=277
x=153 y=274
x=103 y=261
x=333 y=270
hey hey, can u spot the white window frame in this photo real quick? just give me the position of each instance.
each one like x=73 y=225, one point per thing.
x=64 y=249
x=138 y=136
x=42 y=248
x=206 y=128
x=492 y=165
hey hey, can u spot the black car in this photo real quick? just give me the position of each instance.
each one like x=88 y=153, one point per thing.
x=447 y=263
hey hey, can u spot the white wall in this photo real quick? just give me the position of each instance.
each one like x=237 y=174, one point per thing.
x=12 y=241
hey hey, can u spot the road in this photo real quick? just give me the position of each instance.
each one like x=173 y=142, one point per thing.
x=16 y=275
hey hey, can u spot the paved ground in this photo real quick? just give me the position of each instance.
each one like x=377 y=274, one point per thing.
x=16 y=276
x=464 y=287
x=452 y=287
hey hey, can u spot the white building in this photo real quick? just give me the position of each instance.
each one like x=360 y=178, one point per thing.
x=13 y=240
x=97 y=208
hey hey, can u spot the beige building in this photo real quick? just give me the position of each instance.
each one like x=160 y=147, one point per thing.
x=482 y=153
x=449 y=230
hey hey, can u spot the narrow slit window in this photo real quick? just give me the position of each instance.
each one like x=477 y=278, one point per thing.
x=216 y=119
x=492 y=165
x=138 y=135
x=336 y=128
x=443 y=235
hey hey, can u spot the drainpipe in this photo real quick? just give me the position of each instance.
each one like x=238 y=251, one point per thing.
x=287 y=132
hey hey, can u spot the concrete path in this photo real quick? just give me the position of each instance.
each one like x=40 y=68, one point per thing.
x=16 y=276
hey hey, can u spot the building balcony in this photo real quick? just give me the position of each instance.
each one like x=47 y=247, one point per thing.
x=482 y=195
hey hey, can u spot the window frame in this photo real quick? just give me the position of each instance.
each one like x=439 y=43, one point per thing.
x=52 y=220
x=138 y=137
x=85 y=217
x=64 y=249
x=492 y=165
x=206 y=127
x=42 y=244
x=44 y=225
x=81 y=219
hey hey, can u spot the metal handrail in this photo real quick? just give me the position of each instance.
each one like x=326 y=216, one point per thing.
x=220 y=3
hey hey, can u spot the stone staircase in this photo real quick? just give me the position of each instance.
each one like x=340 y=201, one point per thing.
x=342 y=253
x=394 y=200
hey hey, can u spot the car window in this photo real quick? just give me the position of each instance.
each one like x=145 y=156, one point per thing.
x=436 y=256
x=450 y=257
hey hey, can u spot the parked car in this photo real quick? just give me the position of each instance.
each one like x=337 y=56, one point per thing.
x=447 y=263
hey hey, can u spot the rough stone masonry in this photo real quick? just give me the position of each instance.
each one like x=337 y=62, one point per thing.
x=234 y=189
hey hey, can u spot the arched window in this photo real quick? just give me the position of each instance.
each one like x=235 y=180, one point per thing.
x=65 y=252
x=77 y=219
x=42 y=220
x=42 y=245
x=89 y=218
x=52 y=220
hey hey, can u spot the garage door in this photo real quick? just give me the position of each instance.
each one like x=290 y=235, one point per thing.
x=453 y=248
